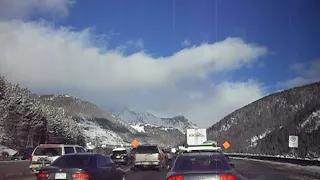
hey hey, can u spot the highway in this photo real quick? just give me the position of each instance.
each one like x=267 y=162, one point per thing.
x=247 y=169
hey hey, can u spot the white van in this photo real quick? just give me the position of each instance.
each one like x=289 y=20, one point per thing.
x=45 y=154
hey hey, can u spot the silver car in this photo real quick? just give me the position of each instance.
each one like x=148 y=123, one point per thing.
x=204 y=166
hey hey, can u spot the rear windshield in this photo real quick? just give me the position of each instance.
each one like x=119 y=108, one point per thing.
x=119 y=152
x=24 y=152
x=201 y=163
x=76 y=161
x=48 y=151
x=147 y=149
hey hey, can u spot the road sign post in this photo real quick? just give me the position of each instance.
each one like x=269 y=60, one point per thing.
x=293 y=143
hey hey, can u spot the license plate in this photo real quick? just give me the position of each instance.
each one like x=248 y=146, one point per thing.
x=60 y=176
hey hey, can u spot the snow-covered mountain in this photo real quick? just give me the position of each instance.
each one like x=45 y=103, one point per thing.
x=102 y=127
x=264 y=126
x=139 y=119
x=27 y=119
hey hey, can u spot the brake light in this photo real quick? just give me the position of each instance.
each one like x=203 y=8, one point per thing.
x=159 y=157
x=43 y=175
x=228 y=177
x=134 y=157
x=179 y=177
x=30 y=158
x=81 y=176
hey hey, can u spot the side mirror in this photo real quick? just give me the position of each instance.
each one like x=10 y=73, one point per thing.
x=232 y=165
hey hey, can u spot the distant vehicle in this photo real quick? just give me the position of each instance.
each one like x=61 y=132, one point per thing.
x=23 y=154
x=45 y=154
x=84 y=166
x=203 y=165
x=121 y=155
x=196 y=136
x=149 y=156
x=169 y=155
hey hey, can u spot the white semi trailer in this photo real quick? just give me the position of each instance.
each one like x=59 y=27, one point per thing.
x=196 y=136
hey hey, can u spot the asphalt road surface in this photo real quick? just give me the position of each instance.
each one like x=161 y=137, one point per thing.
x=247 y=169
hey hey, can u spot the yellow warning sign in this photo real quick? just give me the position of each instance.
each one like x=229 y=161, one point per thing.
x=135 y=143
x=226 y=144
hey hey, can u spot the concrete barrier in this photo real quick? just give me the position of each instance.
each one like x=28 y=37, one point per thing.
x=10 y=169
x=303 y=162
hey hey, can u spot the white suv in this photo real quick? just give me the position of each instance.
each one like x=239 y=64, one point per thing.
x=45 y=154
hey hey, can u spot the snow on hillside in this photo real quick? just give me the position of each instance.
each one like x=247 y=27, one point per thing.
x=138 y=119
x=134 y=117
x=95 y=133
x=139 y=128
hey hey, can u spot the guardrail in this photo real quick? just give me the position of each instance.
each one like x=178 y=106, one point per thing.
x=298 y=161
x=10 y=169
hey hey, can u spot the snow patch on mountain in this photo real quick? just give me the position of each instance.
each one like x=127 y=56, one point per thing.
x=139 y=128
x=258 y=137
x=95 y=133
x=312 y=123
x=135 y=118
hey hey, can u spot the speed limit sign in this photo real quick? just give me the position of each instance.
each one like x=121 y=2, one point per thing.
x=293 y=141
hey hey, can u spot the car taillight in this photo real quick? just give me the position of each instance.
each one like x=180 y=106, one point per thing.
x=81 y=176
x=228 y=177
x=134 y=157
x=159 y=157
x=30 y=158
x=43 y=175
x=179 y=177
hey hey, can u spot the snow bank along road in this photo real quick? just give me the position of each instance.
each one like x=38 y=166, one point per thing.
x=247 y=169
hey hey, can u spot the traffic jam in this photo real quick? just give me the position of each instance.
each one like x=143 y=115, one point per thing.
x=198 y=158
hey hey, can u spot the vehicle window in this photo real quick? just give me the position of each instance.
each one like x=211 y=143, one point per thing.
x=76 y=161
x=80 y=150
x=104 y=161
x=201 y=163
x=147 y=149
x=119 y=152
x=46 y=151
x=166 y=150
x=68 y=150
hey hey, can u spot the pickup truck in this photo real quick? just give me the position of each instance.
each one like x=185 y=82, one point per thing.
x=149 y=156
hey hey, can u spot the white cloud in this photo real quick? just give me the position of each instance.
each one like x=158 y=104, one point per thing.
x=24 y=9
x=307 y=73
x=41 y=57
x=185 y=43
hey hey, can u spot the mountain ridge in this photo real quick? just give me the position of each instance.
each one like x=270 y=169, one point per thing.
x=263 y=126
x=134 y=117
x=95 y=121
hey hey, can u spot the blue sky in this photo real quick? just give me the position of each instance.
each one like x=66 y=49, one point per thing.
x=289 y=28
x=202 y=59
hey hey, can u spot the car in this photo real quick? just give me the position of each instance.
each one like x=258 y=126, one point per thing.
x=82 y=166
x=202 y=165
x=23 y=154
x=45 y=154
x=149 y=156
x=121 y=155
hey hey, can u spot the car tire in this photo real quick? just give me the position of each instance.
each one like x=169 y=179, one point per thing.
x=136 y=168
